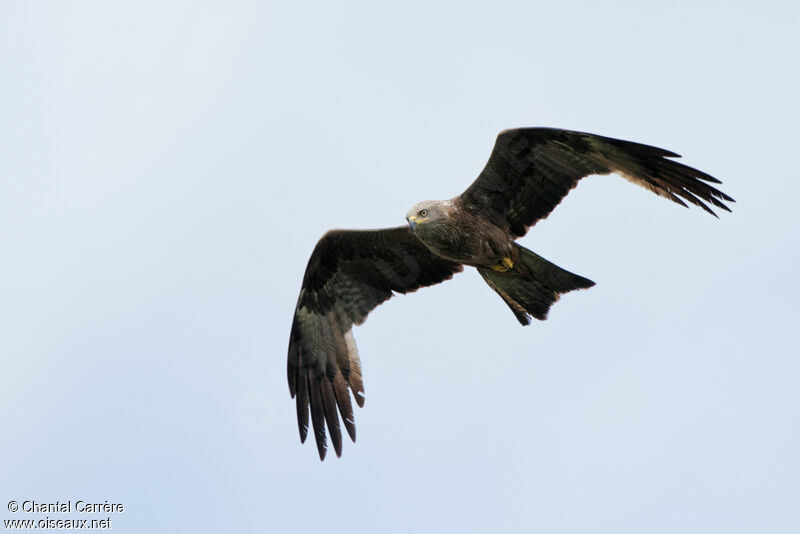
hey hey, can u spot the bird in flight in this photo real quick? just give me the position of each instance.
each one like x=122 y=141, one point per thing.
x=529 y=172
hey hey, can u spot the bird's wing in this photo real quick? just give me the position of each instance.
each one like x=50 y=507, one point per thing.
x=349 y=273
x=531 y=170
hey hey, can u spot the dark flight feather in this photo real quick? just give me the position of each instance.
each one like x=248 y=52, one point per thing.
x=349 y=273
x=531 y=170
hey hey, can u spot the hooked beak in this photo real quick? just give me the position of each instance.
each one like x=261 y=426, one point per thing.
x=412 y=222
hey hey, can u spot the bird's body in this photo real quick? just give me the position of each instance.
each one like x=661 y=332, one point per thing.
x=528 y=173
x=452 y=233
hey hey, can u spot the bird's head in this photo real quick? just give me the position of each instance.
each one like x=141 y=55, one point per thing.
x=427 y=212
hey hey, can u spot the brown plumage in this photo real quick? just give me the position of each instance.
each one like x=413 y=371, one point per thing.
x=529 y=172
x=349 y=273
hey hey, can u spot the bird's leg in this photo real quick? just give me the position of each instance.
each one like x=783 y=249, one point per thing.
x=503 y=265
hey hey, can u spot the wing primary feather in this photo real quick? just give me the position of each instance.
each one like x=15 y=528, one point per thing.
x=292 y=362
x=356 y=381
x=345 y=406
x=693 y=184
x=689 y=171
x=302 y=403
x=331 y=416
x=342 y=353
x=291 y=372
x=339 y=373
x=318 y=415
x=697 y=202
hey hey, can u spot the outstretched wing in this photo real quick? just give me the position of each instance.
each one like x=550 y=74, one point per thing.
x=532 y=169
x=349 y=273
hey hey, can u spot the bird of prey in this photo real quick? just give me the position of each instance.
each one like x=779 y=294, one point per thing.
x=529 y=172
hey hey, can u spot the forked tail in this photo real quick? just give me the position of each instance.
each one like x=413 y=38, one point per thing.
x=531 y=288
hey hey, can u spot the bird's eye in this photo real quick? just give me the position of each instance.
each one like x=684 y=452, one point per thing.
x=423 y=213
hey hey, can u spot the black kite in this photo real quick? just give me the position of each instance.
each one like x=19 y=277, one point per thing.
x=528 y=173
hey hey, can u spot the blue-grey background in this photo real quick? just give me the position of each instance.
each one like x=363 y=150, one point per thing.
x=167 y=167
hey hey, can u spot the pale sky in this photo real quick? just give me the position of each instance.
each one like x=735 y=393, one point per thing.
x=167 y=167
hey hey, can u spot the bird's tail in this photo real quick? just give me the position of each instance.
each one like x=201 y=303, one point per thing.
x=531 y=288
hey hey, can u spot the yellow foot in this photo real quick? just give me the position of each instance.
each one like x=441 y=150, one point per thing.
x=503 y=265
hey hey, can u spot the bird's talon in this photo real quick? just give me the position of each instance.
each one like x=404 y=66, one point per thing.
x=503 y=265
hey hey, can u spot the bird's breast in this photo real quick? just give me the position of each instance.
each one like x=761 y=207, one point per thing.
x=463 y=243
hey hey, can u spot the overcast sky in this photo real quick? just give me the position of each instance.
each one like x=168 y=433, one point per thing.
x=167 y=167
